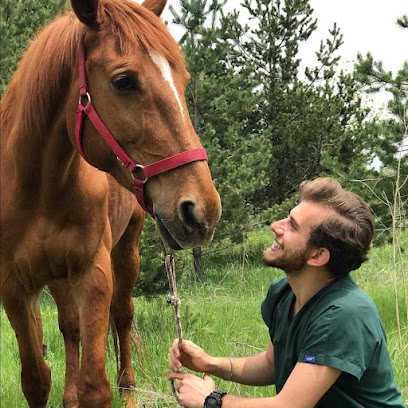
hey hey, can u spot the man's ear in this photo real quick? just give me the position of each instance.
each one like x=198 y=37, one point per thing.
x=319 y=257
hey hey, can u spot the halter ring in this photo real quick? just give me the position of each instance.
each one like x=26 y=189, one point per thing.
x=88 y=95
x=141 y=167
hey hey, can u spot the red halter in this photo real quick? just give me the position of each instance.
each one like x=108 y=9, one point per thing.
x=150 y=170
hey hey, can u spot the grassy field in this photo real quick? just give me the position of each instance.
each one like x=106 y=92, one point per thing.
x=222 y=314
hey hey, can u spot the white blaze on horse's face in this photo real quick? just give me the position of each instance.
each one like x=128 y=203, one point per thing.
x=165 y=70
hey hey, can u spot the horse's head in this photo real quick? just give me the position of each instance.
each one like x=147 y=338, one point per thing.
x=136 y=78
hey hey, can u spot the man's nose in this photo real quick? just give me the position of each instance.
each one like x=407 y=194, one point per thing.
x=278 y=227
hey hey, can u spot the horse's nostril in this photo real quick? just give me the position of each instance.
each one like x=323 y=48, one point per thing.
x=187 y=215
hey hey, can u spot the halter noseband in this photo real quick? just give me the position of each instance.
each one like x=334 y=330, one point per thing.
x=148 y=171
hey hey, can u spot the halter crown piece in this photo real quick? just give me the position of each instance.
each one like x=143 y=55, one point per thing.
x=148 y=171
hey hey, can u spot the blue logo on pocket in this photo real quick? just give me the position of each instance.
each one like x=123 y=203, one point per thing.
x=309 y=359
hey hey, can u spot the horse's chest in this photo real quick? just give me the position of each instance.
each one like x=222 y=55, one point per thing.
x=47 y=251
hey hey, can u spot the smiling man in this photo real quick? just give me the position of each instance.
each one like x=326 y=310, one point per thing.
x=327 y=343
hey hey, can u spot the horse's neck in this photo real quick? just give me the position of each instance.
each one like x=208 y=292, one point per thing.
x=35 y=144
x=44 y=164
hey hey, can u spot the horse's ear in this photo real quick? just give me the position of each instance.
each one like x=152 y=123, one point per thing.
x=156 y=6
x=86 y=11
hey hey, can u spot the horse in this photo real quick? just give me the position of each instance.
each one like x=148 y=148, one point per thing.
x=95 y=133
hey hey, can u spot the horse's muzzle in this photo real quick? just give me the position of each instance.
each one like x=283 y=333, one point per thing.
x=188 y=229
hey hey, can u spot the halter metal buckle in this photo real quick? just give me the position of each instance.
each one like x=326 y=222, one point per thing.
x=141 y=167
x=88 y=95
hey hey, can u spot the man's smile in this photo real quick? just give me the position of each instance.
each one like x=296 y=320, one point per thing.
x=275 y=246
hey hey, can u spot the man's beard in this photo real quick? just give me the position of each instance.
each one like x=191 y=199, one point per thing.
x=290 y=263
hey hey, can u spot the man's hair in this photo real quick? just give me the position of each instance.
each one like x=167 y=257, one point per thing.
x=347 y=233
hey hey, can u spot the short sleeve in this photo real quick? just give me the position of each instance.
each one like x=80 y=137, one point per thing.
x=339 y=338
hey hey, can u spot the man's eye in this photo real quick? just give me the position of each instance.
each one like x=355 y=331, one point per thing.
x=292 y=224
x=124 y=81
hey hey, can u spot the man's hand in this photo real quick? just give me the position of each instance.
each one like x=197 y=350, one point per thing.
x=191 y=356
x=192 y=390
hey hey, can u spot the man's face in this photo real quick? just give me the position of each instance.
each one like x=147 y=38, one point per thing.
x=289 y=250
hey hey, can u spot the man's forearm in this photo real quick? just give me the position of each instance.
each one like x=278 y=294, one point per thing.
x=254 y=370
x=232 y=401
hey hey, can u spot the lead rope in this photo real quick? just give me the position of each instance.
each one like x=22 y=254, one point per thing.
x=174 y=301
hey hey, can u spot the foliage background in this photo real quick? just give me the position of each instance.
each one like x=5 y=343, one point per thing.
x=267 y=127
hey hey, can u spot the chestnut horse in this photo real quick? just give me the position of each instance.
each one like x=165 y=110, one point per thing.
x=74 y=224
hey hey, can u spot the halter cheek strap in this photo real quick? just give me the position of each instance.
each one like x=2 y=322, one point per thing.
x=148 y=171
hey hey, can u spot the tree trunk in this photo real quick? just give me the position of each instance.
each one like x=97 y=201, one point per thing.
x=198 y=263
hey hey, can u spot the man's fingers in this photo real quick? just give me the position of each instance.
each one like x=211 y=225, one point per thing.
x=174 y=357
x=174 y=362
x=175 y=348
x=207 y=377
x=176 y=376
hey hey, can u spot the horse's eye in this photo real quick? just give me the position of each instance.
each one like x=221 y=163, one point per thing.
x=124 y=81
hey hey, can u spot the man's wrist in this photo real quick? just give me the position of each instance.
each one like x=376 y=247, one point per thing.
x=214 y=365
x=221 y=367
x=214 y=399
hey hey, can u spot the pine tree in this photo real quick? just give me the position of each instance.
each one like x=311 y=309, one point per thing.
x=20 y=21
x=220 y=99
x=310 y=124
x=391 y=147
x=267 y=128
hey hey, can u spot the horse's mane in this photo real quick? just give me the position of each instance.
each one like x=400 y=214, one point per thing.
x=42 y=76
x=44 y=73
x=132 y=24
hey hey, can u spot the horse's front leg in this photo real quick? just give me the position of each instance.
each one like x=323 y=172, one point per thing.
x=68 y=320
x=93 y=295
x=125 y=257
x=22 y=309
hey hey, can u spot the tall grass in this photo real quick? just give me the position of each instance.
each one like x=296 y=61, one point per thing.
x=222 y=314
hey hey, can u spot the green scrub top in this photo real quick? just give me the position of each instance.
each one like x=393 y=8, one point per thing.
x=338 y=327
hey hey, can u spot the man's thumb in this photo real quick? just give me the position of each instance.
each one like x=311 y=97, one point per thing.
x=186 y=346
x=207 y=377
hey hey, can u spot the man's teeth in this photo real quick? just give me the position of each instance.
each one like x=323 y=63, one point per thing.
x=276 y=245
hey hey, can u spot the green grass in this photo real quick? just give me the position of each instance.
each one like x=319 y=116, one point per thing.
x=222 y=314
